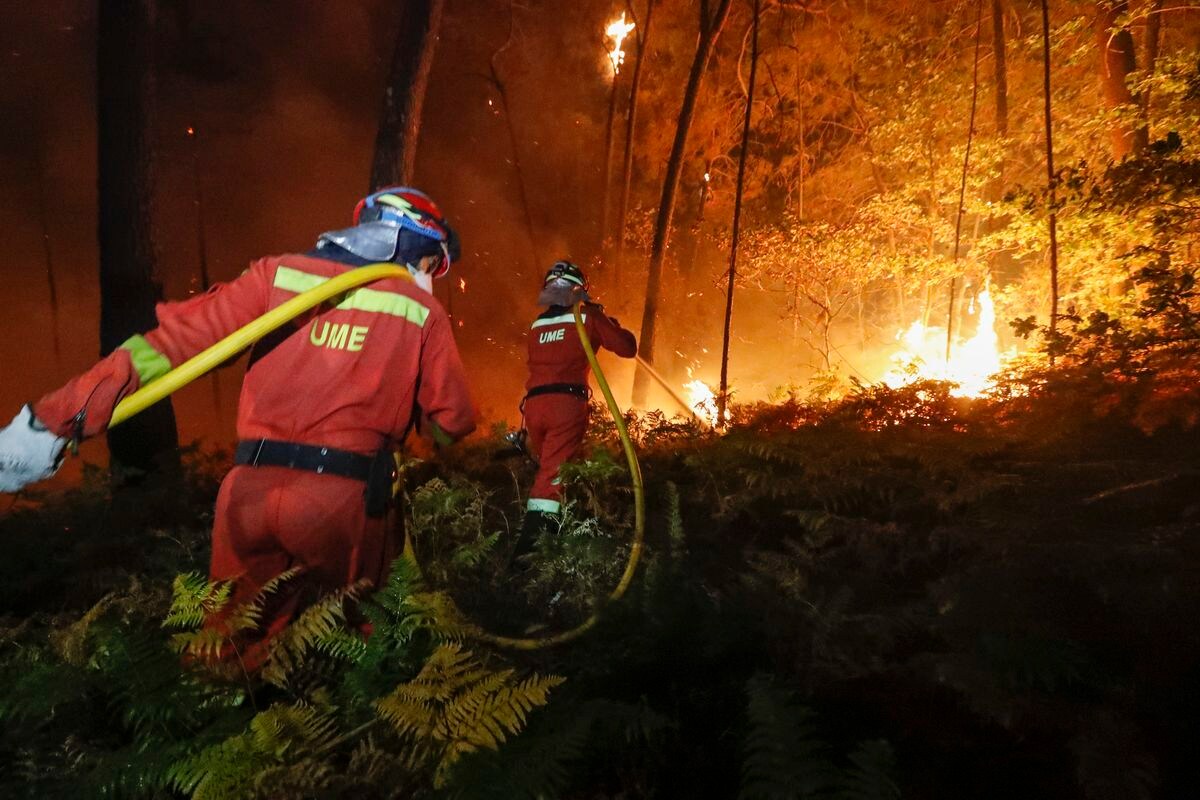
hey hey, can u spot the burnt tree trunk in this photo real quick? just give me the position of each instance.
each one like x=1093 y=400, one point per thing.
x=1000 y=68
x=1051 y=180
x=1141 y=136
x=404 y=95
x=128 y=285
x=48 y=252
x=723 y=394
x=710 y=31
x=1117 y=60
x=606 y=192
x=643 y=44
x=962 y=187
x=999 y=260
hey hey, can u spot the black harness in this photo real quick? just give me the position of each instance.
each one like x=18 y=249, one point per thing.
x=377 y=471
x=580 y=390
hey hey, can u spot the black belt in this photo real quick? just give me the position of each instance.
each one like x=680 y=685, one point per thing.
x=579 y=390
x=313 y=458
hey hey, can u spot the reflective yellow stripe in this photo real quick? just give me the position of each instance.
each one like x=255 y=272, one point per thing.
x=397 y=305
x=559 y=320
x=373 y=300
x=147 y=362
x=293 y=280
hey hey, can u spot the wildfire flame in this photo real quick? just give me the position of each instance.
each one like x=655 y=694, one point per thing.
x=702 y=400
x=972 y=362
x=617 y=30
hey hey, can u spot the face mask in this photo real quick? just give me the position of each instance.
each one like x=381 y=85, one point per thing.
x=422 y=279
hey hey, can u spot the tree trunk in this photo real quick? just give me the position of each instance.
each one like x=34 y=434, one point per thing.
x=723 y=395
x=128 y=288
x=962 y=187
x=710 y=31
x=643 y=42
x=1000 y=68
x=1117 y=60
x=606 y=192
x=202 y=249
x=1051 y=179
x=48 y=252
x=404 y=95
x=1141 y=136
x=502 y=92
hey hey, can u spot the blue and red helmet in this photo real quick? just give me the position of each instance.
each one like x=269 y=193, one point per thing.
x=423 y=230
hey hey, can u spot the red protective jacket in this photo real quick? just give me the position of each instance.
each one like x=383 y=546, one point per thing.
x=555 y=352
x=557 y=422
x=347 y=377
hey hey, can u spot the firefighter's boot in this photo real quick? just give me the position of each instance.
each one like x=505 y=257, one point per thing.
x=536 y=524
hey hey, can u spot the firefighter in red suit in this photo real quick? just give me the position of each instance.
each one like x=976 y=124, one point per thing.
x=556 y=394
x=322 y=405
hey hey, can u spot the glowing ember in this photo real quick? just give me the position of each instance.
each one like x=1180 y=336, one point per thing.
x=702 y=400
x=462 y=284
x=617 y=30
x=922 y=354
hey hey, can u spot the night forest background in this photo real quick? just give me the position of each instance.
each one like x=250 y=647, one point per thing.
x=869 y=583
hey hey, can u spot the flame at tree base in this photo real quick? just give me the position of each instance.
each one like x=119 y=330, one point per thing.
x=922 y=355
x=702 y=399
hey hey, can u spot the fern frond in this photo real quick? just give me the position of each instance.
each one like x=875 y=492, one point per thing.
x=70 y=644
x=281 y=735
x=782 y=755
x=194 y=598
x=869 y=776
x=248 y=615
x=318 y=624
x=456 y=705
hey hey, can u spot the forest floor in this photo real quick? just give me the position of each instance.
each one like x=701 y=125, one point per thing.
x=899 y=594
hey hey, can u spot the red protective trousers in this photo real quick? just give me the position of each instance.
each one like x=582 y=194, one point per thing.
x=557 y=422
x=556 y=425
x=353 y=376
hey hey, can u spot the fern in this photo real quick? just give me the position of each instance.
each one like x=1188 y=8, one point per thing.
x=70 y=644
x=319 y=628
x=205 y=632
x=783 y=757
x=281 y=735
x=456 y=705
x=869 y=776
x=194 y=598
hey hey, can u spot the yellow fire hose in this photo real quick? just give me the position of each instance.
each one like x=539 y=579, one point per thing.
x=639 y=515
x=243 y=337
x=239 y=340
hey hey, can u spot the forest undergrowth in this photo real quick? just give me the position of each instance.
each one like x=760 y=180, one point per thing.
x=898 y=593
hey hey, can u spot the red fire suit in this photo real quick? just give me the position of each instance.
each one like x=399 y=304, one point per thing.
x=557 y=421
x=350 y=376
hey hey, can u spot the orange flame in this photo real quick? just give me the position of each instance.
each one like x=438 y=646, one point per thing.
x=973 y=362
x=617 y=30
x=462 y=285
x=702 y=400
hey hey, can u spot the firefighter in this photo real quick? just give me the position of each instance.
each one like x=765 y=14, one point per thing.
x=322 y=406
x=555 y=407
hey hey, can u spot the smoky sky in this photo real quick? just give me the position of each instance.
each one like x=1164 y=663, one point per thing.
x=284 y=99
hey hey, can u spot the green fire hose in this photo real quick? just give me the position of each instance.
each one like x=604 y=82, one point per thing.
x=244 y=337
